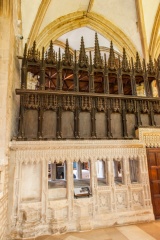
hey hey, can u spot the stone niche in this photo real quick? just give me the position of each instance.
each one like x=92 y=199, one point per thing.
x=31 y=175
x=118 y=197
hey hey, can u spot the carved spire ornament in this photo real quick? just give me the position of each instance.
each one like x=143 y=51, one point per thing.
x=83 y=58
x=33 y=54
x=138 y=66
x=150 y=66
x=67 y=56
x=111 y=59
x=98 y=62
x=50 y=55
x=125 y=65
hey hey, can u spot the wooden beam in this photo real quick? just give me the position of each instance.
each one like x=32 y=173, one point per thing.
x=141 y=26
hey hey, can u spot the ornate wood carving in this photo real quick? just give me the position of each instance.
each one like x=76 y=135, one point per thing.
x=75 y=83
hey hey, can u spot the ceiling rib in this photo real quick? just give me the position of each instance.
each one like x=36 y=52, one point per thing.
x=90 y=5
x=141 y=27
x=38 y=21
x=154 y=48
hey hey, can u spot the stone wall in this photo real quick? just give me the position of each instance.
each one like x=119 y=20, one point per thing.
x=4 y=62
x=38 y=210
x=3 y=200
x=9 y=79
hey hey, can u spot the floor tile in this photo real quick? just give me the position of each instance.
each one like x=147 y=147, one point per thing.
x=152 y=229
x=115 y=234
x=143 y=231
x=135 y=233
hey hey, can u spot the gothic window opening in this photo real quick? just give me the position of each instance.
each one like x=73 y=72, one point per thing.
x=127 y=88
x=81 y=176
x=50 y=78
x=113 y=84
x=154 y=88
x=57 y=175
x=32 y=81
x=118 y=171
x=83 y=78
x=102 y=172
x=98 y=82
x=134 y=170
x=68 y=80
x=140 y=88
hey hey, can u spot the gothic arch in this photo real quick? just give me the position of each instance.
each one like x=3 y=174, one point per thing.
x=154 y=48
x=80 y=19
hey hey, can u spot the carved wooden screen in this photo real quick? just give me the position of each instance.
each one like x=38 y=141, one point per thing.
x=79 y=97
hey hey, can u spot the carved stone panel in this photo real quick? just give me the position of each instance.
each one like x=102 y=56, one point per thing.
x=130 y=125
x=104 y=201
x=116 y=125
x=101 y=125
x=31 y=215
x=49 y=124
x=31 y=123
x=85 y=124
x=31 y=182
x=145 y=119
x=137 y=198
x=121 y=200
x=67 y=124
x=157 y=119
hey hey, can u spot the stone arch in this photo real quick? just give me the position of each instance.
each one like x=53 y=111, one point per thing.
x=80 y=19
x=154 y=48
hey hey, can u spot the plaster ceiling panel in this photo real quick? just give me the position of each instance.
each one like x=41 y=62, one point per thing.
x=28 y=11
x=58 y=8
x=121 y=13
x=74 y=38
x=149 y=11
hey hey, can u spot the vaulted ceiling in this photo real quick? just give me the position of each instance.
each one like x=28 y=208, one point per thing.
x=133 y=24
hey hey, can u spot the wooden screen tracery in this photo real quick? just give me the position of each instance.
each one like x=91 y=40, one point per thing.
x=79 y=97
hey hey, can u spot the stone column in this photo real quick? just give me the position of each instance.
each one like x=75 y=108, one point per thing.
x=65 y=170
x=9 y=78
x=79 y=170
x=70 y=193
x=44 y=166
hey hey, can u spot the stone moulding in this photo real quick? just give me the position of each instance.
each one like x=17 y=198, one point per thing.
x=149 y=136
